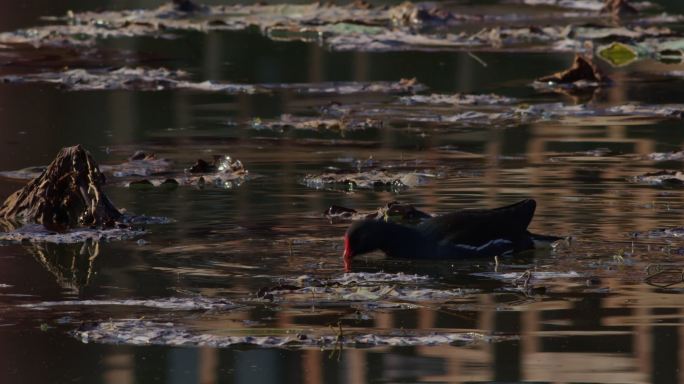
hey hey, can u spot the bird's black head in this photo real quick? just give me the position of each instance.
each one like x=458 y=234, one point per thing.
x=362 y=237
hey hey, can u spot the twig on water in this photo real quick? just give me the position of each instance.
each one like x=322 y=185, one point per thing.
x=477 y=58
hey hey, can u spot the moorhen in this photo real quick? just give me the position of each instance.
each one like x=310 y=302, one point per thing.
x=463 y=234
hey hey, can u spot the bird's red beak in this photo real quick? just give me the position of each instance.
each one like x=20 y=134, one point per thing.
x=347 y=256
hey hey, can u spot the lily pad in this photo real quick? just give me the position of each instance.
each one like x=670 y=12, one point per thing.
x=618 y=54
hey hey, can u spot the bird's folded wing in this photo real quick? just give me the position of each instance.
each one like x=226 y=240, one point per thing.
x=479 y=226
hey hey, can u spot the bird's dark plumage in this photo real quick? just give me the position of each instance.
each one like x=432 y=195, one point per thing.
x=462 y=234
x=479 y=226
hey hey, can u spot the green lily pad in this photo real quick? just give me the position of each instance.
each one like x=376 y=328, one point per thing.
x=618 y=54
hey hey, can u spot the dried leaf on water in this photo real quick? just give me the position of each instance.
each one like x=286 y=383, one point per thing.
x=583 y=70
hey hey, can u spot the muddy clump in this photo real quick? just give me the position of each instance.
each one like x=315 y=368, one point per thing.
x=67 y=194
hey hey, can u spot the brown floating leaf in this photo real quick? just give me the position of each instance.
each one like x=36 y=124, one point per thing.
x=583 y=69
x=67 y=194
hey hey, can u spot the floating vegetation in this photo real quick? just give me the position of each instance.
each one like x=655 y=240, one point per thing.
x=458 y=99
x=379 y=277
x=666 y=50
x=667 y=156
x=661 y=178
x=371 y=179
x=159 y=79
x=662 y=233
x=394 y=211
x=139 y=164
x=24 y=173
x=38 y=233
x=617 y=54
x=143 y=169
x=143 y=332
x=222 y=171
x=408 y=26
x=141 y=79
x=171 y=303
x=66 y=204
x=377 y=287
x=533 y=275
x=289 y=122
x=372 y=293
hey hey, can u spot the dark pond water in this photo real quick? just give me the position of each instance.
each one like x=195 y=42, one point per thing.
x=588 y=316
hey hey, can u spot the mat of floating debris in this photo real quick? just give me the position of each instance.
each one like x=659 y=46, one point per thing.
x=144 y=332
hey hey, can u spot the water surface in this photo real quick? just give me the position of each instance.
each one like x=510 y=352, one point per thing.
x=597 y=321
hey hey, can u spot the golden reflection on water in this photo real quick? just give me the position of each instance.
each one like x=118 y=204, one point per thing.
x=616 y=331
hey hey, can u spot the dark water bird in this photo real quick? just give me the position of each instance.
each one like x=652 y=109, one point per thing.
x=467 y=233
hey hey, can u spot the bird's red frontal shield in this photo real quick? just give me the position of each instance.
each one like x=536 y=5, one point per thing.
x=347 y=256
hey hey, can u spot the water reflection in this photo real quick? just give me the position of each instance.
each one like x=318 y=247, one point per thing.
x=73 y=265
x=230 y=243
